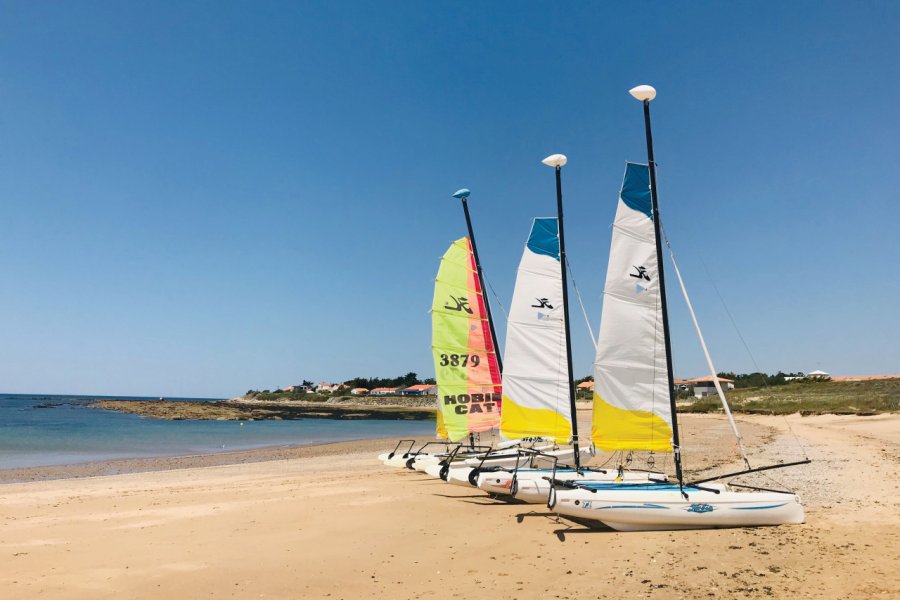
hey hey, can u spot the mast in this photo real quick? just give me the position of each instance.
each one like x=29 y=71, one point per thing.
x=463 y=195
x=557 y=161
x=645 y=94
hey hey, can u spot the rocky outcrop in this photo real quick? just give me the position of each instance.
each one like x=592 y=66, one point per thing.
x=248 y=410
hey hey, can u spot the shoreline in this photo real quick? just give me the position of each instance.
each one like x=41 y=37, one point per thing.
x=151 y=464
x=755 y=427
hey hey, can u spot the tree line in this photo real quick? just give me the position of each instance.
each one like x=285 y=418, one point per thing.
x=746 y=380
x=371 y=383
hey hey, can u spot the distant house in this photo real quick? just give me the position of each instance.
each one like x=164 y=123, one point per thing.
x=384 y=391
x=326 y=388
x=586 y=385
x=682 y=384
x=422 y=389
x=359 y=391
x=704 y=386
x=296 y=388
x=818 y=375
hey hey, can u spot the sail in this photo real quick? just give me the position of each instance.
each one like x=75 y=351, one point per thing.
x=468 y=377
x=535 y=378
x=440 y=430
x=631 y=395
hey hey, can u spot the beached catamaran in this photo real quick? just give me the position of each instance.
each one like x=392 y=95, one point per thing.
x=634 y=402
x=467 y=365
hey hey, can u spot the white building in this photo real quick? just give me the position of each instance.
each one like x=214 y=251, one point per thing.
x=704 y=386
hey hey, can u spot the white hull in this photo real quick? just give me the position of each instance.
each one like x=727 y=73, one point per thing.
x=404 y=460
x=433 y=469
x=512 y=459
x=398 y=460
x=459 y=476
x=662 y=507
x=462 y=474
x=422 y=463
x=532 y=487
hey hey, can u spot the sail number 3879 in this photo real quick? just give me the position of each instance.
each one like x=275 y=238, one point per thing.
x=459 y=360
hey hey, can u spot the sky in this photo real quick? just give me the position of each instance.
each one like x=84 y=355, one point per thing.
x=199 y=198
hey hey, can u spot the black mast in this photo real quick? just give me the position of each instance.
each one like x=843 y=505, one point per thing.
x=557 y=161
x=463 y=195
x=645 y=94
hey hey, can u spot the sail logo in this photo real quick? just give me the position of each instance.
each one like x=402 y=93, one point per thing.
x=542 y=303
x=461 y=304
x=469 y=404
x=641 y=273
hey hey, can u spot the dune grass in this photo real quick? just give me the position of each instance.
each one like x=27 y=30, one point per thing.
x=809 y=398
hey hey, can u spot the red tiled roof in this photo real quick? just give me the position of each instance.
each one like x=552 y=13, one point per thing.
x=708 y=380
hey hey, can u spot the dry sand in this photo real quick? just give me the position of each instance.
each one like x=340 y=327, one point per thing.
x=336 y=524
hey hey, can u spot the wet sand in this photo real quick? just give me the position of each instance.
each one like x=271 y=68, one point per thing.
x=334 y=523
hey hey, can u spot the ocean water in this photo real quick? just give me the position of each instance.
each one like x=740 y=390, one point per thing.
x=70 y=432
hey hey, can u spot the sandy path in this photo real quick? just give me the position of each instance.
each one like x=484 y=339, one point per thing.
x=345 y=527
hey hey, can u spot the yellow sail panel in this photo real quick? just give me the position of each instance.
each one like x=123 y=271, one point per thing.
x=631 y=388
x=523 y=422
x=614 y=428
x=468 y=376
x=440 y=428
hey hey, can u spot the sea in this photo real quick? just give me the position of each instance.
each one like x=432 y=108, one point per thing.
x=43 y=430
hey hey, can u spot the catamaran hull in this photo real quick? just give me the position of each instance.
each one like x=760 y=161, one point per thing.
x=531 y=486
x=512 y=458
x=433 y=469
x=666 y=509
x=422 y=463
x=460 y=476
x=411 y=460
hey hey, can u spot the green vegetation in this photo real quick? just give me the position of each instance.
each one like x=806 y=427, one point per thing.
x=267 y=396
x=746 y=380
x=808 y=398
x=376 y=382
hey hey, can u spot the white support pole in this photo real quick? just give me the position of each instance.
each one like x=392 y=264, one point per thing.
x=709 y=362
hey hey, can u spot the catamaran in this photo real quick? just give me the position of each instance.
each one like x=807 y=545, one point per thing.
x=634 y=402
x=539 y=397
x=466 y=363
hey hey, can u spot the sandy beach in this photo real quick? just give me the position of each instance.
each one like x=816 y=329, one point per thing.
x=331 y=522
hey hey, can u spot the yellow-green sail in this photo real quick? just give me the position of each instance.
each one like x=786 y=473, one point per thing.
x=465 y=362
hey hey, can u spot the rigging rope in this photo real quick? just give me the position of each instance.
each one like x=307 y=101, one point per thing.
x=709 y=363
x=747 y=348
x=581 y=303
x=496 y=297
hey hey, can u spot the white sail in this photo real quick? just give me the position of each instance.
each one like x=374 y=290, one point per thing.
x=631 y=389
x=535 y=378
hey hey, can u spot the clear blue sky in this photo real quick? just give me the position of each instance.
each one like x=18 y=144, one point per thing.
x=198 y=198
